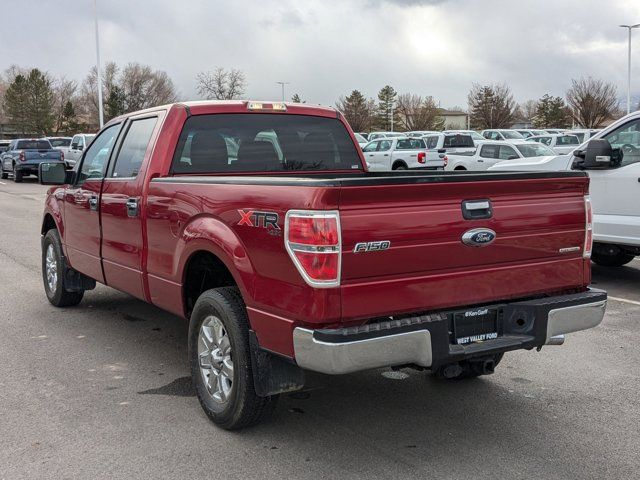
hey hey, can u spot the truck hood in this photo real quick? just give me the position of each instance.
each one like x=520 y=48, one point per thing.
x=549 y=163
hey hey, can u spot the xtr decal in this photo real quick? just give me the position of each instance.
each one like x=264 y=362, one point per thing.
x=254 y=218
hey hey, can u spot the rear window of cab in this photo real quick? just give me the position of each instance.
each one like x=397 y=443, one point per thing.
x=259 y=142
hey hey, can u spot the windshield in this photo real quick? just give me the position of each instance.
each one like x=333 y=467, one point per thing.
x=60 y=142
x=511 y=135
x=33 y=145
x=534 y=150
x=229 y=143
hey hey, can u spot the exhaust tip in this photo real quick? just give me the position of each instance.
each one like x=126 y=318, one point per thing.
x=556 y=340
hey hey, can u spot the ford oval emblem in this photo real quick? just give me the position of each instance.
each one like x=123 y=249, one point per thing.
x=479 y=237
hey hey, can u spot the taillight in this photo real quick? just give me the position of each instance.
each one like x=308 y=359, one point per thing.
x=21 y=156
x=446 y=160
x=61 y=156
x=588 y=234
x=313 y=241
x=422 y=157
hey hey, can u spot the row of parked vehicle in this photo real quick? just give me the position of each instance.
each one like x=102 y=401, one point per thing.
x=22 y=156
x=464 y=149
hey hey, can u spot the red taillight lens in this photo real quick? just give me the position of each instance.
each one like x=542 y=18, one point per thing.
x=312 y=239
x=61 y=155
x=21 y=157
x=446 y=160
x=588 y=234
x=422 y=157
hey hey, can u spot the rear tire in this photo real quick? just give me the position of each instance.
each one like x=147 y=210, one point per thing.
x=53 y=269
x=616 y=260
x=220 y=361
x=17 y=175
x=399 y=166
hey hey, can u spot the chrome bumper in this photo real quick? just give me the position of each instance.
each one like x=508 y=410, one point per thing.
x=349 y=354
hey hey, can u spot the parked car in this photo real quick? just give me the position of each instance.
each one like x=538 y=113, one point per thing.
x=4 y=145
x=363 y=135
x=449 y=144
x=375 y=135
x=24 y=155
x=491 y=152
x=61 y=143
x=503 y=135
x=529 y=132
x=561 y=144
x=361 y=140
x=400 y=153
x=582 y=134
x=420 y=133
x=309 y=261
x=612 y=159
x=79 y=143
x=474 y=135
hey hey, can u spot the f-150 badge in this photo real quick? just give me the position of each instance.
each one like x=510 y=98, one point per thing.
x=371 y=246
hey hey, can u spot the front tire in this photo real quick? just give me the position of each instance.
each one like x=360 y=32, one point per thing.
x=220 y=361
x=53 y=269
x=17 y=175
x=4 y=175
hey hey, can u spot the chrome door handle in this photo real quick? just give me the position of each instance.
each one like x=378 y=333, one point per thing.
x=132 y=207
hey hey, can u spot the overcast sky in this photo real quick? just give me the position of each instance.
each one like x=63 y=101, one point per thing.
x=327 y=48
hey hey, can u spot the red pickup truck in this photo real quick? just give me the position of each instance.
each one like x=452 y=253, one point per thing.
x=259 y=223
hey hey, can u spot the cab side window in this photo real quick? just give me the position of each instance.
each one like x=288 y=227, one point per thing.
x=432 y=142
x=507 y=153
x=626 y=139
x=489 y=151
x=133 y=148
x=94 y=163
x=371 y=147
x=384 y=145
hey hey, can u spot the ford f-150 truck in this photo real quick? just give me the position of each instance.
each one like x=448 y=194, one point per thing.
x=24 y=155
x=260 y=224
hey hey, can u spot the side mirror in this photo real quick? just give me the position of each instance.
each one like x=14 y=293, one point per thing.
x=597 y=155
x=54 y=174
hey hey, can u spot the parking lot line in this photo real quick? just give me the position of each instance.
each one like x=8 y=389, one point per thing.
x=2 y=183
x=624 y=300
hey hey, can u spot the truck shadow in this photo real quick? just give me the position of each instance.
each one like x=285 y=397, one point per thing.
x=410 y=418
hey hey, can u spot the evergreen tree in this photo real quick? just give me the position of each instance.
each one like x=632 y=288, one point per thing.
x=387 y=115
x=358 y=111
x=116 y=103
x=16 y=104
x=40 y=112
x=552 y=112
x=491 y=106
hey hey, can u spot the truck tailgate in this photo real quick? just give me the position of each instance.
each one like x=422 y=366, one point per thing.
x=539 y=225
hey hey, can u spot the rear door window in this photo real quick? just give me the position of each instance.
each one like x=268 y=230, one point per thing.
x=432 y=142
x=459 y=141
x=133 y=148
x=263 y=142
x=507 y=153
x=410 y=144
x=489 y=151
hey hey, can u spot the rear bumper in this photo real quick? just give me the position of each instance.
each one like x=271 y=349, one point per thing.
x=425 y=340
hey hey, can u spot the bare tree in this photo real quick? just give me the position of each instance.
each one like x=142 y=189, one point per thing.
x=87 y=101
x=592 y=101
x=221 y=84
x=418 y=113
x=491 y=106
x=144 y=88
x=527 y=109
x=63 y=92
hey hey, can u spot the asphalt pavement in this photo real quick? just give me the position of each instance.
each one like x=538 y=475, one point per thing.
x=102 y=390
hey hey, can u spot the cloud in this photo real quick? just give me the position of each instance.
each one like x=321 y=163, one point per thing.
x=328 y=48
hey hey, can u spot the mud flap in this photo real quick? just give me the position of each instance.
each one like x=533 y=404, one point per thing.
x=273 y=374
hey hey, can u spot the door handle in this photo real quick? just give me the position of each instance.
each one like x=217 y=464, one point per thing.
x=386 y=154
x=132 y=207
x=93 y=203
x=480 y=161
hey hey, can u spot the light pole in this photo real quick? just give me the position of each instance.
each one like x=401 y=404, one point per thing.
x=629 y=28
x=95 y=12
x=283 y=84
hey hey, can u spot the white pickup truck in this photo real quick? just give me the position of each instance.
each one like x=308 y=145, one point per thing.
x=561 y=144
x=491 y=152
x=401 y=153
x=612 y=159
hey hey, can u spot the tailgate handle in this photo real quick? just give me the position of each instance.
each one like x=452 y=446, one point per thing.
x=477 y=209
